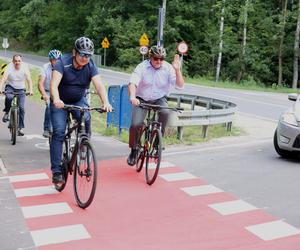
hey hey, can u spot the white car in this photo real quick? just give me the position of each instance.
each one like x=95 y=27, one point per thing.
x=287 y=134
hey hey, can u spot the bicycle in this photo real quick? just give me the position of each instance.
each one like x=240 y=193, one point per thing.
x=14 y=115
x=79 y=158
x=150 y=142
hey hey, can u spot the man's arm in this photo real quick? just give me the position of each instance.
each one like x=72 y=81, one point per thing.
x=41 y=87
x=177 y=66
x=132 y=94
x=54 y=83
x=29 y=82
x=101 y=91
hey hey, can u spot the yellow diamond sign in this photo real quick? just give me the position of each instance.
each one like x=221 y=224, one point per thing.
x=144 y=40
x=105 y=43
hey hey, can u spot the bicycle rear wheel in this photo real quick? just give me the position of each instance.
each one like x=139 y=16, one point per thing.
x=64 y=165
x=141 y=151
x=13 y=125
x=85 y=174
x=153 y=156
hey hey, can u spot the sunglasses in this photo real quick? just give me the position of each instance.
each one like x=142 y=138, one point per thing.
x=84 y=55
x=158 y=58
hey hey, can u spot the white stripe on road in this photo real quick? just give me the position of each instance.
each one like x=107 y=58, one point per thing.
x=163 y=164
x=59 y=234
x=26 y=177
x=201 y=190
x=2 y=167
x=273 y=230
x=46 y=210
x=34 y=191
x=178 y=176
x=232 y=207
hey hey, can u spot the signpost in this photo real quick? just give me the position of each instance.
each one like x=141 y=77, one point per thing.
x=143 y=51
x=144 y=43
x=105 y=45
x=182 y=48
x=5 y=44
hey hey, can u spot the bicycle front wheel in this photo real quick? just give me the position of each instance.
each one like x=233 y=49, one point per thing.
x=153 y=156
x=85 y=174
x=13 y=125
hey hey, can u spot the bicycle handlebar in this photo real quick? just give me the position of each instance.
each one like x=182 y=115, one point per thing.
x=74 y=107
x=157 y=107
x=14 y=93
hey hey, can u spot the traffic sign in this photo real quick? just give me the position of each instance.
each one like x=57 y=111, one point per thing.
x=5 y=43
x=3 y=67
x=182 y=47
x=144 y=40
x=144 y=50
x=105 y=43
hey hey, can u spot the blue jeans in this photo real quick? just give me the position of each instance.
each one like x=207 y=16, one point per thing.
x=21 y=100
x=47 y=118
x=59 y=124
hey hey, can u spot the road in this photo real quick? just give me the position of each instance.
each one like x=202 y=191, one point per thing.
x=245 y=168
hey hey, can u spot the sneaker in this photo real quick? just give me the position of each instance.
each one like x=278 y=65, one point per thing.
x=57 y=178
x=20 y=132
x=47 y=134
x=5 y=117
x=131 y=160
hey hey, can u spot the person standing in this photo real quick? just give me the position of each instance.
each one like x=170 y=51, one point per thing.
x=15 y=76
x=44 y=88
x=71 y=77
x=151 y=82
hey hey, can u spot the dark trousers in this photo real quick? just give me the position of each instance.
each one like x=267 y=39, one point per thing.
x=139 y=115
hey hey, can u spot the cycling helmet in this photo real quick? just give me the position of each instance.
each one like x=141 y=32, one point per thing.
x=157 y=51
x=84 y=45
x=54 y=54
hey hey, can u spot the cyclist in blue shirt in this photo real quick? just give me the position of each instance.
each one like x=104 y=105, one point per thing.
x=71 y=78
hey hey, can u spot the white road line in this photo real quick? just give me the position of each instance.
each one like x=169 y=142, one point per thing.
x=46 y=210
x=2 y=167
x=201 y=190
x=35 y=191
x=273 y=230
x=59 y=234
x=178 y=176
x=26 y=177
x=232 y=207
x=230 y=145
x=163 y=164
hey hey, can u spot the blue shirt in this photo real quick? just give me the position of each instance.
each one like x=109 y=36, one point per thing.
x=74 y=81
x=152 y=83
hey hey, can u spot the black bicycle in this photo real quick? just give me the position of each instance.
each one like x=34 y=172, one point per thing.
x=13 y=124
x=79 y=158
x=150 y=142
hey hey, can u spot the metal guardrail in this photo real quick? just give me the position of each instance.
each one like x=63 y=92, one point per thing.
x=204 y=111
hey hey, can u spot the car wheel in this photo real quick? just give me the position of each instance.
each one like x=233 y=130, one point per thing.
x=283 y=153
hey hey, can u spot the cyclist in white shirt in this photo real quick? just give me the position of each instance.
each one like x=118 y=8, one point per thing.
x=44 y=88
x=151 y=82
x=15 y=76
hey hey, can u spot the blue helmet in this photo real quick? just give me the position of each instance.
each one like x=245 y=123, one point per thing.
x=54 y=54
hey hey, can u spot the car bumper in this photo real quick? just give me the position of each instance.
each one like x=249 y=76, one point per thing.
x=288 y=137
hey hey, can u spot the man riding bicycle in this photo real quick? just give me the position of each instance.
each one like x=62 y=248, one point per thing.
x=15 y=76
x=71 y=78
x=44 y=88
x=151 y=82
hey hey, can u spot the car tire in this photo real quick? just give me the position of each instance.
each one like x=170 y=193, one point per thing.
x=283 y=153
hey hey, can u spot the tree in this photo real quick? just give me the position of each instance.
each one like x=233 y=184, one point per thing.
x=296 y=51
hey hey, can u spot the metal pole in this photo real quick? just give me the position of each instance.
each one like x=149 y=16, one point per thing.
x=161 y=21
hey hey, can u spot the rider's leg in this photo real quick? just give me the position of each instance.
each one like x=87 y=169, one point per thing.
x=59 y=123
x=163 y=114
x=83 y=103
x=8 y=98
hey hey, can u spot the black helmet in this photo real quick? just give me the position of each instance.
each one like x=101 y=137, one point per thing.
x=84 y=45
x=157 y=51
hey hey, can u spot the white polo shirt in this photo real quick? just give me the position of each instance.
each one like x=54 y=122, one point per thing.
x=152 y=83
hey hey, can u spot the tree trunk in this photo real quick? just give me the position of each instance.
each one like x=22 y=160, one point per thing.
x=221 y=42
x=282 y=33
x=244 y=43
x=296 y=50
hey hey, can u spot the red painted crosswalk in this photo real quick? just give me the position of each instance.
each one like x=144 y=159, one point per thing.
x=179 y=211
